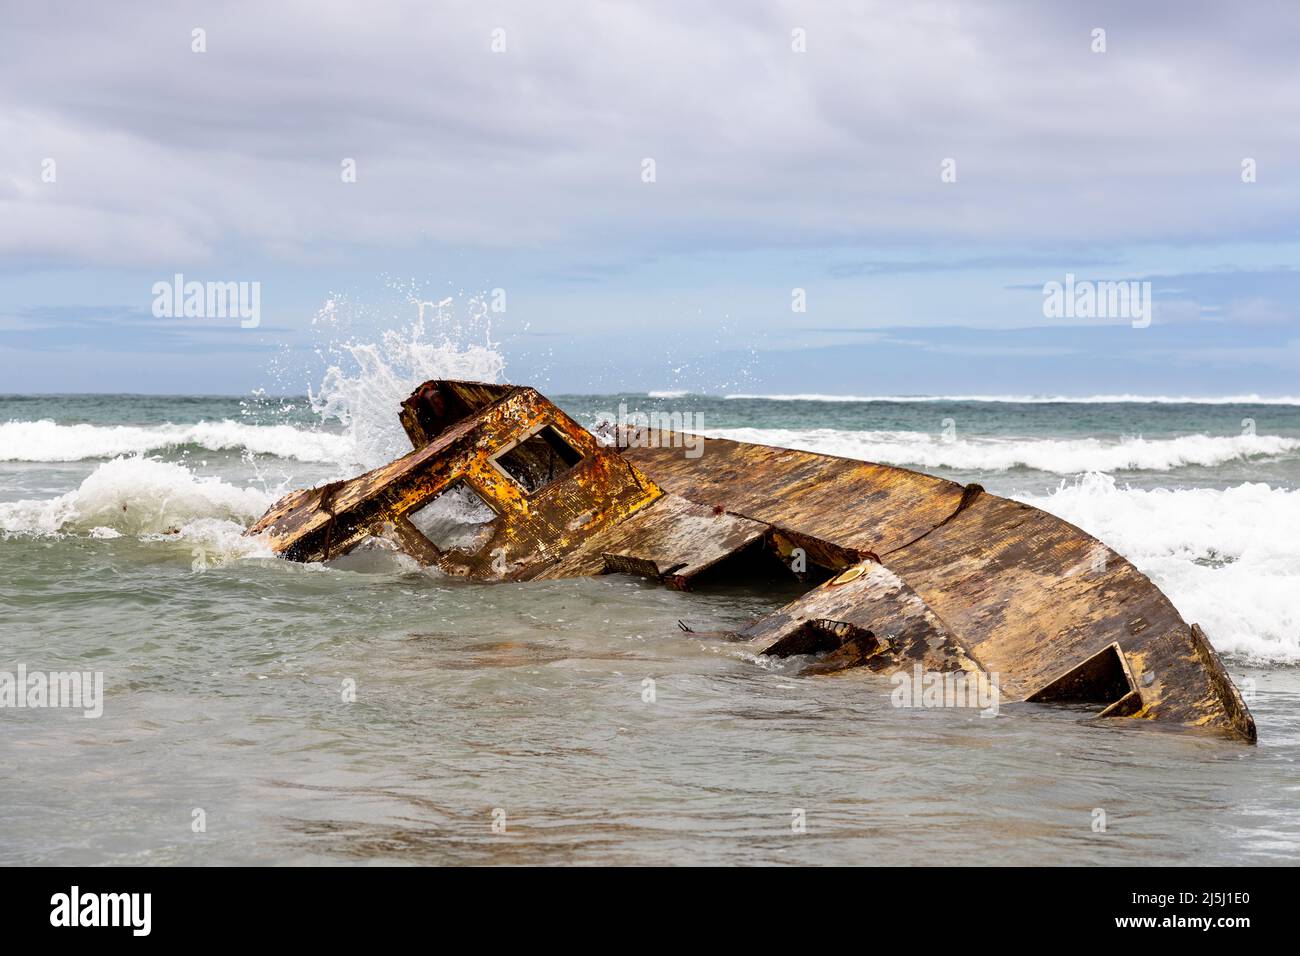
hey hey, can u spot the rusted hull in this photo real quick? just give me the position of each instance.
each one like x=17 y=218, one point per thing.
x=1028 y=594
x=600 y=490
x=926 y=571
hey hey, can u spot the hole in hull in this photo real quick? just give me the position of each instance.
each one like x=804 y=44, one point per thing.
x=539 y=459
x=1103 y=678
x=457 y=518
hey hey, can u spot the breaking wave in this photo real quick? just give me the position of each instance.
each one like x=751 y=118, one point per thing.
x=1228 y=559
x=1058 y=456
x=145 y=498
x=48 y=441
x=1036 y=399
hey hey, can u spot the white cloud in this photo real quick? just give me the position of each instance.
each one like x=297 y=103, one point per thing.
x=168 y=157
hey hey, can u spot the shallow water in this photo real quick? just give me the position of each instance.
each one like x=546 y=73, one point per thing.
x=529 y=699
x=225 y=673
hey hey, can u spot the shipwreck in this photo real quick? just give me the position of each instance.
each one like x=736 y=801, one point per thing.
x=904 y=569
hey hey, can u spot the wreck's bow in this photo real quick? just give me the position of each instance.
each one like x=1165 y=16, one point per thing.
x=919 y=570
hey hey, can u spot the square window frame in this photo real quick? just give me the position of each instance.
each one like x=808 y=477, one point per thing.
x=533 y=433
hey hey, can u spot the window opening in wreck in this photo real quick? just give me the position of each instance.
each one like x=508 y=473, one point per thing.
x=456 y=518
x=538 y=460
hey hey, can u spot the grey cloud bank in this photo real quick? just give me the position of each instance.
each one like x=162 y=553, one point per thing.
x=774 y=168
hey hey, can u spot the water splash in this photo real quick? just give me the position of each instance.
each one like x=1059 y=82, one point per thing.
x=365 y=382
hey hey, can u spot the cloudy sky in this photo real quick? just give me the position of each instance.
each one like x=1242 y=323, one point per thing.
x=920 y=170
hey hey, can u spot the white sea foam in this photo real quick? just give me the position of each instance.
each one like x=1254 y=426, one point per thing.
x=1228 y=559
x=136 y=496
x=1251 y=399
x=1059 y=456
x=46 y=440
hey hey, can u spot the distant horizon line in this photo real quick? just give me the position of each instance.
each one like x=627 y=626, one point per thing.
x=810 y=397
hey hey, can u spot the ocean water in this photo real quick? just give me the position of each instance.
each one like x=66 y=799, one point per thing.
x=509 y=723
